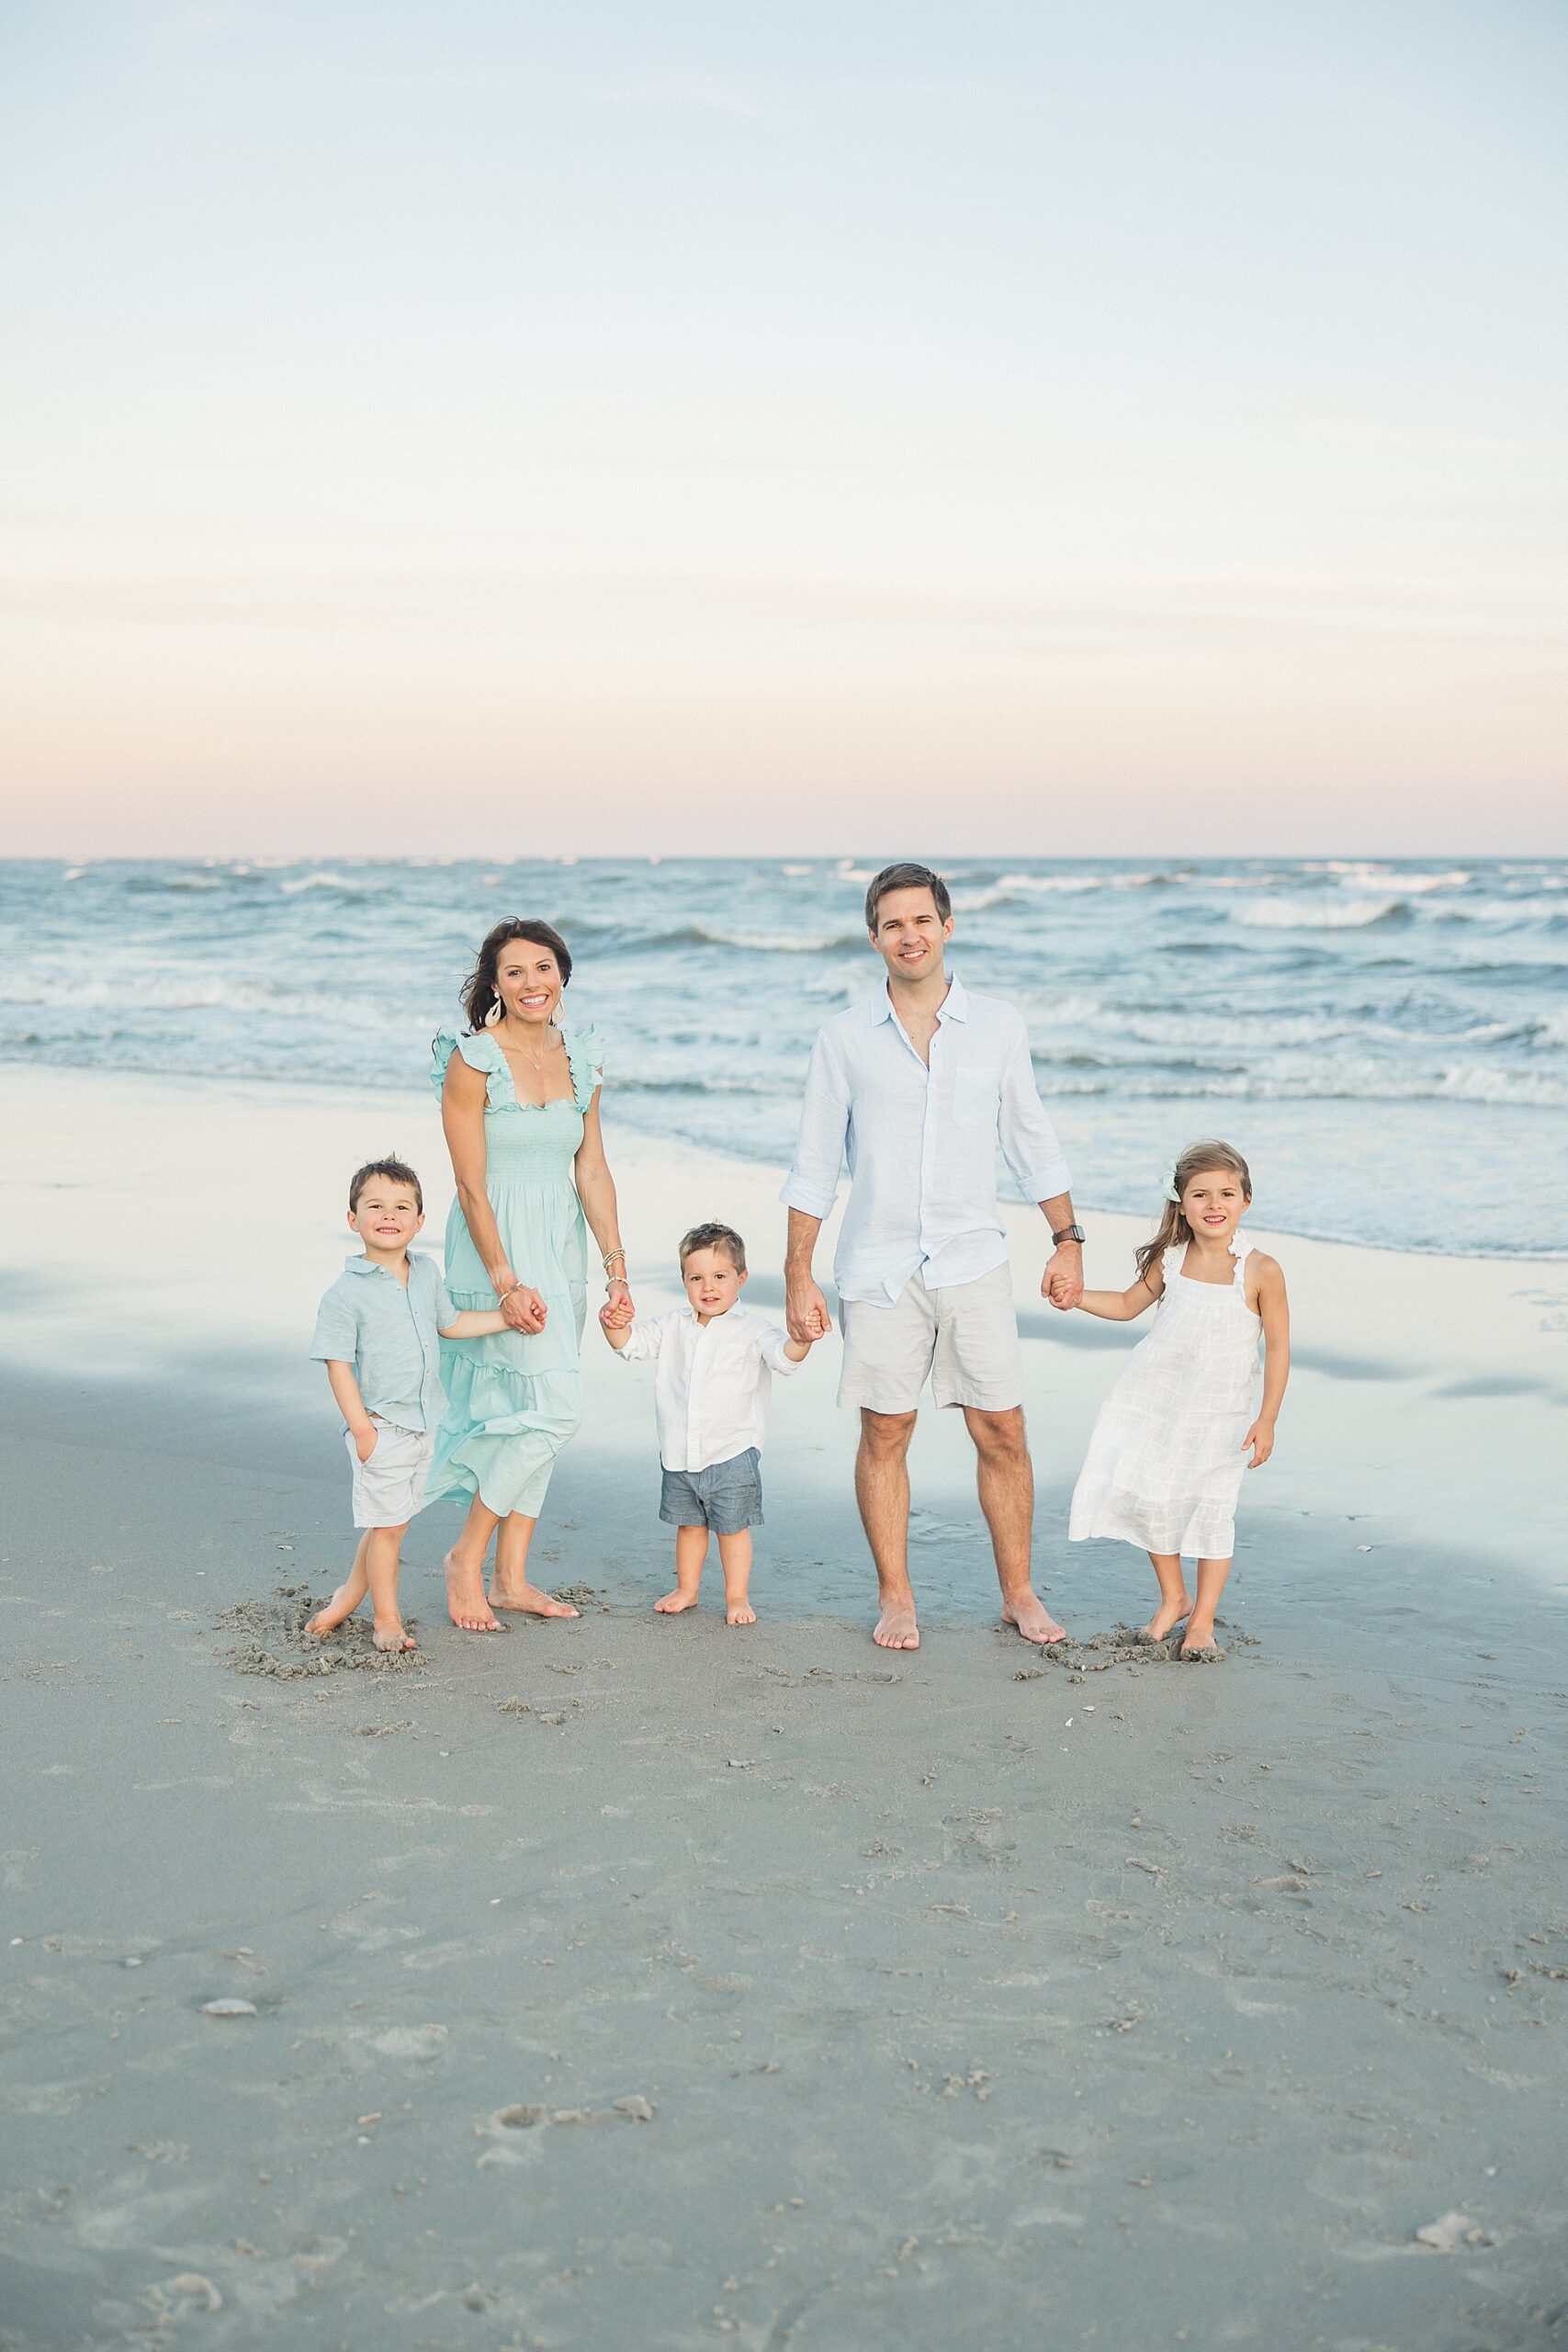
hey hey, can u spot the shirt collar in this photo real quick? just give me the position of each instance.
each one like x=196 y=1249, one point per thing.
x=954 y=1004
x=360 y=1264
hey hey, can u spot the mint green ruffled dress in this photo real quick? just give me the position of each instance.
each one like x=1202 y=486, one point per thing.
x=513 y=1401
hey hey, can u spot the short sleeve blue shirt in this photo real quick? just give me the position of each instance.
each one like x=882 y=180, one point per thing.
x=389 y=1334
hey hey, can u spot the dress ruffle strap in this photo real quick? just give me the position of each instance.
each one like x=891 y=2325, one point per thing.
x=480 y=1053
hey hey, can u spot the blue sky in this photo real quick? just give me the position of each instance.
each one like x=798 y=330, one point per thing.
x=478 y=427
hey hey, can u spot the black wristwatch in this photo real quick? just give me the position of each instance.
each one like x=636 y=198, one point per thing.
x=1068 y=1233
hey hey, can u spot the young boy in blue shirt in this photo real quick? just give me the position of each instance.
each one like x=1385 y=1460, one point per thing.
x=376 y=1331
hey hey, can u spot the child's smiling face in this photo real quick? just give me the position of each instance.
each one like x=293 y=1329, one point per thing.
x=713 y=1284
x=387 y=1216
x=1213 y=1202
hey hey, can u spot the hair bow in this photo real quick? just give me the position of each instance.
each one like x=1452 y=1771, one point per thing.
x=1172 y=1191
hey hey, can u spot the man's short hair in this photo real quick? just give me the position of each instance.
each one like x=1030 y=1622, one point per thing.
x=906 y=877
x=714 y=1237
x=396 y=1172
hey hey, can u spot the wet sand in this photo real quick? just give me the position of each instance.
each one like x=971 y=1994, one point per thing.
x=643 y=1983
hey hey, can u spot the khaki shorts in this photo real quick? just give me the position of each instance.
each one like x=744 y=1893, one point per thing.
x=963 y=1338
x=389 y=1488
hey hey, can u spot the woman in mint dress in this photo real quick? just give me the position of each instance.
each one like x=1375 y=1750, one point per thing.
x=520 y=1107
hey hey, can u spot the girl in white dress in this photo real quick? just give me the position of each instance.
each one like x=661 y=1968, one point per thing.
x=1165 y=1462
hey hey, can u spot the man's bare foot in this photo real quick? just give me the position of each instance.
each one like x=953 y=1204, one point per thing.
x=344 y=1603
x=393 y=1637
x=1029 y=1616
x=1167 y=1618
x=465 y=1603
x=895 y=1628
x=529 y=1601
x=739 y=1612
x=673 y=1602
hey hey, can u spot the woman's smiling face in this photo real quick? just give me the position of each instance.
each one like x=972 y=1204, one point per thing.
x=527 y=980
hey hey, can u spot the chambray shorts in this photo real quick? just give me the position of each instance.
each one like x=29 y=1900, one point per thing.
x=727 y=1496
x=389 y=1488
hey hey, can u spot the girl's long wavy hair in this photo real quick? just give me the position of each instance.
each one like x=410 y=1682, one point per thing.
x=480 y=995
x=1174 y=1229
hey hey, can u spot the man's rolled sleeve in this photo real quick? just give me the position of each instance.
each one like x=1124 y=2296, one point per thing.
x=812 y=1184
x=1028 y=1139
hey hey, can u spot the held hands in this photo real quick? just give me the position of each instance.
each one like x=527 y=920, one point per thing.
x=1062 y=1282
x=618 y=1311
x=524 y=1310
x=806 y=1313
x=1260 y=1438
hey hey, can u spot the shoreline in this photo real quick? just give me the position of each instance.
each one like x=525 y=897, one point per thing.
x=305 y=1091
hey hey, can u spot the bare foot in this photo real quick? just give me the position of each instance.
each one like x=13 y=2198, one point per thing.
x=1167 y=1618
x=344 y=1603
x=739 y=1612
x=393 y=1637
x=465 y=1603
x=1199 y=1647
x=895 y=1628
x=673 y=1602
x=1029 y=1616
x=529 y=1601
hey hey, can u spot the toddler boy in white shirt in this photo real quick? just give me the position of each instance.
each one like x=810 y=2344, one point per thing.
x=715 y=1360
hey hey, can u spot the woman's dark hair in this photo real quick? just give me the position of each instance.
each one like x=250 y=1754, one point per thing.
x=479 y=993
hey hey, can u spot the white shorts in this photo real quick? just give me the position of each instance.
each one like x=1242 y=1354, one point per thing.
x=963 y=1338
x=389 y=1488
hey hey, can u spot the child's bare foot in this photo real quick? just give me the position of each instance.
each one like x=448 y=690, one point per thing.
x=739 y=1612
x=344 y=1603
x=393 y=1637
x=528 y=1601
x=1167 y=1618
x=1199 y=1647
x=465 y=1603
x=673 y=1602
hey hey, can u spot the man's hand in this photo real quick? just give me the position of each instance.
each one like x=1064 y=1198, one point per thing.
x=524 y=1310
x=365 y=1441
x=1062 y=1282
x=806 y=1310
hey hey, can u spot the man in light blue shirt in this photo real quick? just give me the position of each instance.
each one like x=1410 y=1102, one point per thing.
x=917 y=1089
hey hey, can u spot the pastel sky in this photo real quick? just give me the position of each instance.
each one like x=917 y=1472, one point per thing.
x=485 y=426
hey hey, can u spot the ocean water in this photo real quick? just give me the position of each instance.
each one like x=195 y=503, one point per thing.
x=1388 y=1043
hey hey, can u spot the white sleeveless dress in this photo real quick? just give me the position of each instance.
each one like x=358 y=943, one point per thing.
x=1164 y=1462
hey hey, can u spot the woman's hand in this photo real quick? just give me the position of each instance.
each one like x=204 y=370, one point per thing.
x=617 y=1310
x=1260 y=1438
x=524 y=1309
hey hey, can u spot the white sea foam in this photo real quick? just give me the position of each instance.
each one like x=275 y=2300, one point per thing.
x=972 y=902
x=1316 y=914
x=317 y=882
x=1070 y=883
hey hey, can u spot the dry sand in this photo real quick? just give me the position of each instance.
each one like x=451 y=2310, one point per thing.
x=637 y=1984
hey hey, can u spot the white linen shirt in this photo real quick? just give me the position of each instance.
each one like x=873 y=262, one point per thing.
x=922 y=1142
x=710 y=1395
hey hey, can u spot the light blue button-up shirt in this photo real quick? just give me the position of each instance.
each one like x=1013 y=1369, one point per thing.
x=922 y=1142
x=389 y=1333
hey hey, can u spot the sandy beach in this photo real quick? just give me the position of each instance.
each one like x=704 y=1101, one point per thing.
x=645 y=1984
